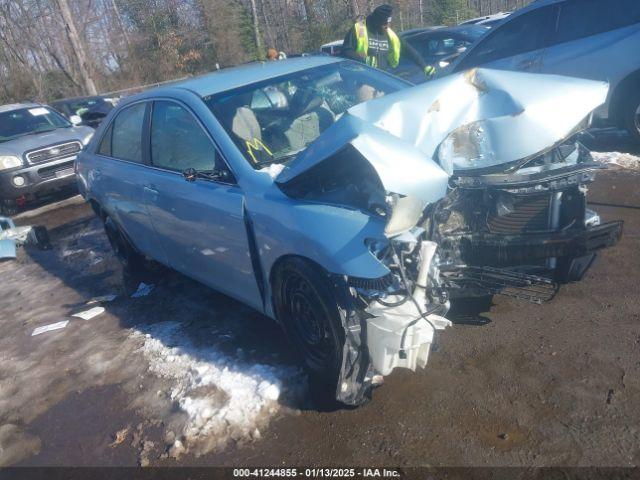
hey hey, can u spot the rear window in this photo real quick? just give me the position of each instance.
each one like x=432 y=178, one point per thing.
x=584 y=18
x=126 y=141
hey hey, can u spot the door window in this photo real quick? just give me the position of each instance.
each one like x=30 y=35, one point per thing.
x=580 y=19
x=178 y=141
x=126 y=141
x=105 y=144
x=523 y=34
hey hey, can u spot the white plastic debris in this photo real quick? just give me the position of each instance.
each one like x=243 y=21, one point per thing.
x=89 y=314
x=102 y=299
x=7 y=249
x=143 y=290
x=49 y=328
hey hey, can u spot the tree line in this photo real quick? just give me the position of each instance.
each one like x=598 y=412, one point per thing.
x=53 y=49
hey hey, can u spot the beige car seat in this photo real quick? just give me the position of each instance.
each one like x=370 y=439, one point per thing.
x=245 y=124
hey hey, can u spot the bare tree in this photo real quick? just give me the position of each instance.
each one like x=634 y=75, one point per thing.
x=78 y=47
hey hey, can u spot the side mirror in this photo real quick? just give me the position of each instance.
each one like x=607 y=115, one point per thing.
x=190 y=174
x=75 y=119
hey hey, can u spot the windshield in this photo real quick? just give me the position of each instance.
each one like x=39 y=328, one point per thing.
x=440 y=46
x=272 y=121
x=80 y=107
x=26 y=121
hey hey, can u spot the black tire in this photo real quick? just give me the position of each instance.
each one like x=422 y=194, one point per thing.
x=131 y=260
x=631 y=113
x=305 y=304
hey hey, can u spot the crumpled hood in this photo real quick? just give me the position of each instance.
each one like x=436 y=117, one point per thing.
x=18 y=146
x=467 y=122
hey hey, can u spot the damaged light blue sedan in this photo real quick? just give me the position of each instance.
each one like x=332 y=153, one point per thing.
x=349 y=206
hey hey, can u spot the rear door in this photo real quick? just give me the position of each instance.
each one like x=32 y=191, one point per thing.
x=200 y=223
x=517 y=44
x=595 y=40
x=119 y=176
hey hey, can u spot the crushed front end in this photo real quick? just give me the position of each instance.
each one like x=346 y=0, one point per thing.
x=481 y=185
x=521 y=232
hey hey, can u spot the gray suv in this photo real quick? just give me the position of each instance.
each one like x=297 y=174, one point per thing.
x=38 y=148
x=591 y=39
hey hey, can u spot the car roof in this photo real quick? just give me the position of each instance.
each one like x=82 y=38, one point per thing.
x=235 y=77
x=458 y=29
x=17 y=106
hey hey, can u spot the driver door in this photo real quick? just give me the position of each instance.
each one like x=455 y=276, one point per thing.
x=200 y=223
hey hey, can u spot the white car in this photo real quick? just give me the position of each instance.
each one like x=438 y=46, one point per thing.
x=581 y=38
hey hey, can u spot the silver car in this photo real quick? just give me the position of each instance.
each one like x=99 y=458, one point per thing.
x=38 y=147
x=589 y=39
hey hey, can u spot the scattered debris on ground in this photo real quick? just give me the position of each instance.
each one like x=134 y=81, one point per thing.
x=49 y=328
x=89 y=314
x=120 y=436
x=102 y=299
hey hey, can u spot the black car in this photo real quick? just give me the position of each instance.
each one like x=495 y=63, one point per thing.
x=437 y=46
x=90 y=109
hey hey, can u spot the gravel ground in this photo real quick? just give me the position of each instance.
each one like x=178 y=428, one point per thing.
x=186 y=376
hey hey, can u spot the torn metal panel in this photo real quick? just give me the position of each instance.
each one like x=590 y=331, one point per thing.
x=24 y=235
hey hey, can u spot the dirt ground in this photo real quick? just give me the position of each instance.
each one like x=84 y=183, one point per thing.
x=186 y=376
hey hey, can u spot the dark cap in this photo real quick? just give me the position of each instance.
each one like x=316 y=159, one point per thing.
x=382 y=14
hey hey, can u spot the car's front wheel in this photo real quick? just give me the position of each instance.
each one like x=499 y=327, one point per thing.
x=306 y=306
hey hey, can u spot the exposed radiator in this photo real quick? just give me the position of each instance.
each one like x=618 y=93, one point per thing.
x=522 y=214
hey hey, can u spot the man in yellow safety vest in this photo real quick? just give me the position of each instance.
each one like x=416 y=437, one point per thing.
x=373 y=42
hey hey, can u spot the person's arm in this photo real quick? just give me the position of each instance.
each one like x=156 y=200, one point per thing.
x=412 y=53
x=350 y=45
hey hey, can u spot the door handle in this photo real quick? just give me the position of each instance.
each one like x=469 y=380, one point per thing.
x=97 y=173
x=150 y=189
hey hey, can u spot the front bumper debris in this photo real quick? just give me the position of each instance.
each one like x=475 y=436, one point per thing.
x=496 y=249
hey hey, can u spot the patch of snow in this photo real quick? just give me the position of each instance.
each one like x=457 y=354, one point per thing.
x=273 y=170
x=223 y=397
x=624 y=160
